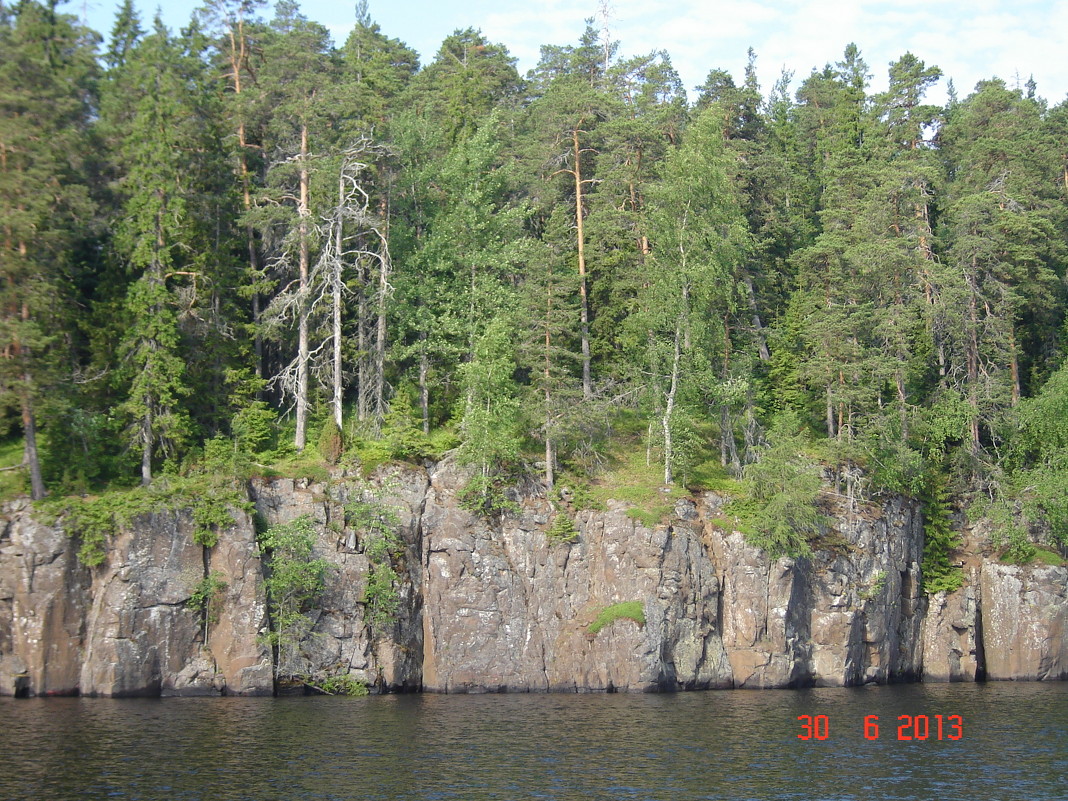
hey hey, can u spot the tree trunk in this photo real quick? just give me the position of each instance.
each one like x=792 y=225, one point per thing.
x=549 y=456
x=300 y=440
x=238 y=54
x=146 y=449
x=30 y=457
x=584 y=309
x=830 y=411
x=758 y=326
x=424 y=388
x=972 y=357
x=336 y=291
x=363 y=377
x=380 y=341
x=669 y=408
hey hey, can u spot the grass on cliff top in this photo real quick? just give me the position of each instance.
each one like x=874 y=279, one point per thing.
x=635 y=476
x=1041 y=555
x=12 y=482
x=629 y=610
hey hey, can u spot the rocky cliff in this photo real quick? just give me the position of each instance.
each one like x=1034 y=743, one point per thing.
x=500 y=606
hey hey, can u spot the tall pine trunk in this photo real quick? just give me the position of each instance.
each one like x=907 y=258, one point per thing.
x=300 y=440
x=584 y=309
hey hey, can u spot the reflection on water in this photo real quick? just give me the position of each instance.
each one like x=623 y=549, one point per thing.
x=714 y=745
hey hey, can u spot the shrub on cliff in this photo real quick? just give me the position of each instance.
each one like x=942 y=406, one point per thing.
x=784 y=484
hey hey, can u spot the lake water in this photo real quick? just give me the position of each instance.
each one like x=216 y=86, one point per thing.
x=1013 y=744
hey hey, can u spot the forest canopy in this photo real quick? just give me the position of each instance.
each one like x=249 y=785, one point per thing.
x=238 y=243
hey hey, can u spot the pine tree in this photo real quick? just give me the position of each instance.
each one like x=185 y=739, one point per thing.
x=159 y=110
x=297 y=60
x=46 y=70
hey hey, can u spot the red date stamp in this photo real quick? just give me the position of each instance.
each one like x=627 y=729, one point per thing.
x=909 y=727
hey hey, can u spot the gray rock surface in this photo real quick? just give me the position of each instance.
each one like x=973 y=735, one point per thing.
x=1023 y=621
x=496 y=606
x=43 y=603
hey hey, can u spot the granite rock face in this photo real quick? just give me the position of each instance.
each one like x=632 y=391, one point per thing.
x=508 y=610
x=43 y=604
x=124 y=628
x=486 y=606
x=342 y=641
x=1023 y=621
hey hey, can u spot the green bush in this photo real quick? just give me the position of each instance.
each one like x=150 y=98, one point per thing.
x=376 y=524
x=402 y=435
x=295 y=580
x=562 y=529
x=785 y=483
x=341 y=684
x=485 y=496
x=380 y=595
x=206 y=599
x=331 y=443
x=253 y=427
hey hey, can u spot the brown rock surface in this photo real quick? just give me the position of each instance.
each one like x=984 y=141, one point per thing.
x=43 y=597
x=1024 y=616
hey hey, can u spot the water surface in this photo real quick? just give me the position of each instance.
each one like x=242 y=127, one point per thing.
x=712 y=745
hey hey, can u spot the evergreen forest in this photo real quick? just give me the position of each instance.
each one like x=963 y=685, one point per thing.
x=244 y=248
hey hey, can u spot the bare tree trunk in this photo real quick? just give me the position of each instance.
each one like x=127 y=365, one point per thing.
x=380 y=342
x=758 y=326
x=973 y=363
x=363 y=377
x=901 y=399
x=424 y=388
x=669 y=408
x=30 y=456
x=336 y=285
x=146 y=449
x=300 y=440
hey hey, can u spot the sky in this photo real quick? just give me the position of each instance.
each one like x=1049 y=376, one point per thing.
x=970 y=40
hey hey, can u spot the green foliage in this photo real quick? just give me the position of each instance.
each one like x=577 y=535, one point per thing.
x=874 y=588
x=785 y=483
x=629 y=610
x=486 y=496
x=295 y=580
x=581 y=493
x=651 y=516
x=331 y=443
x=489 y=406
x=253 y=427
x=206 y=599
x=939 y=538
x=340 y=684
x=380 y=595
x=402 y=435
x=94 y=520
x=562 y=529
x=376 y=525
